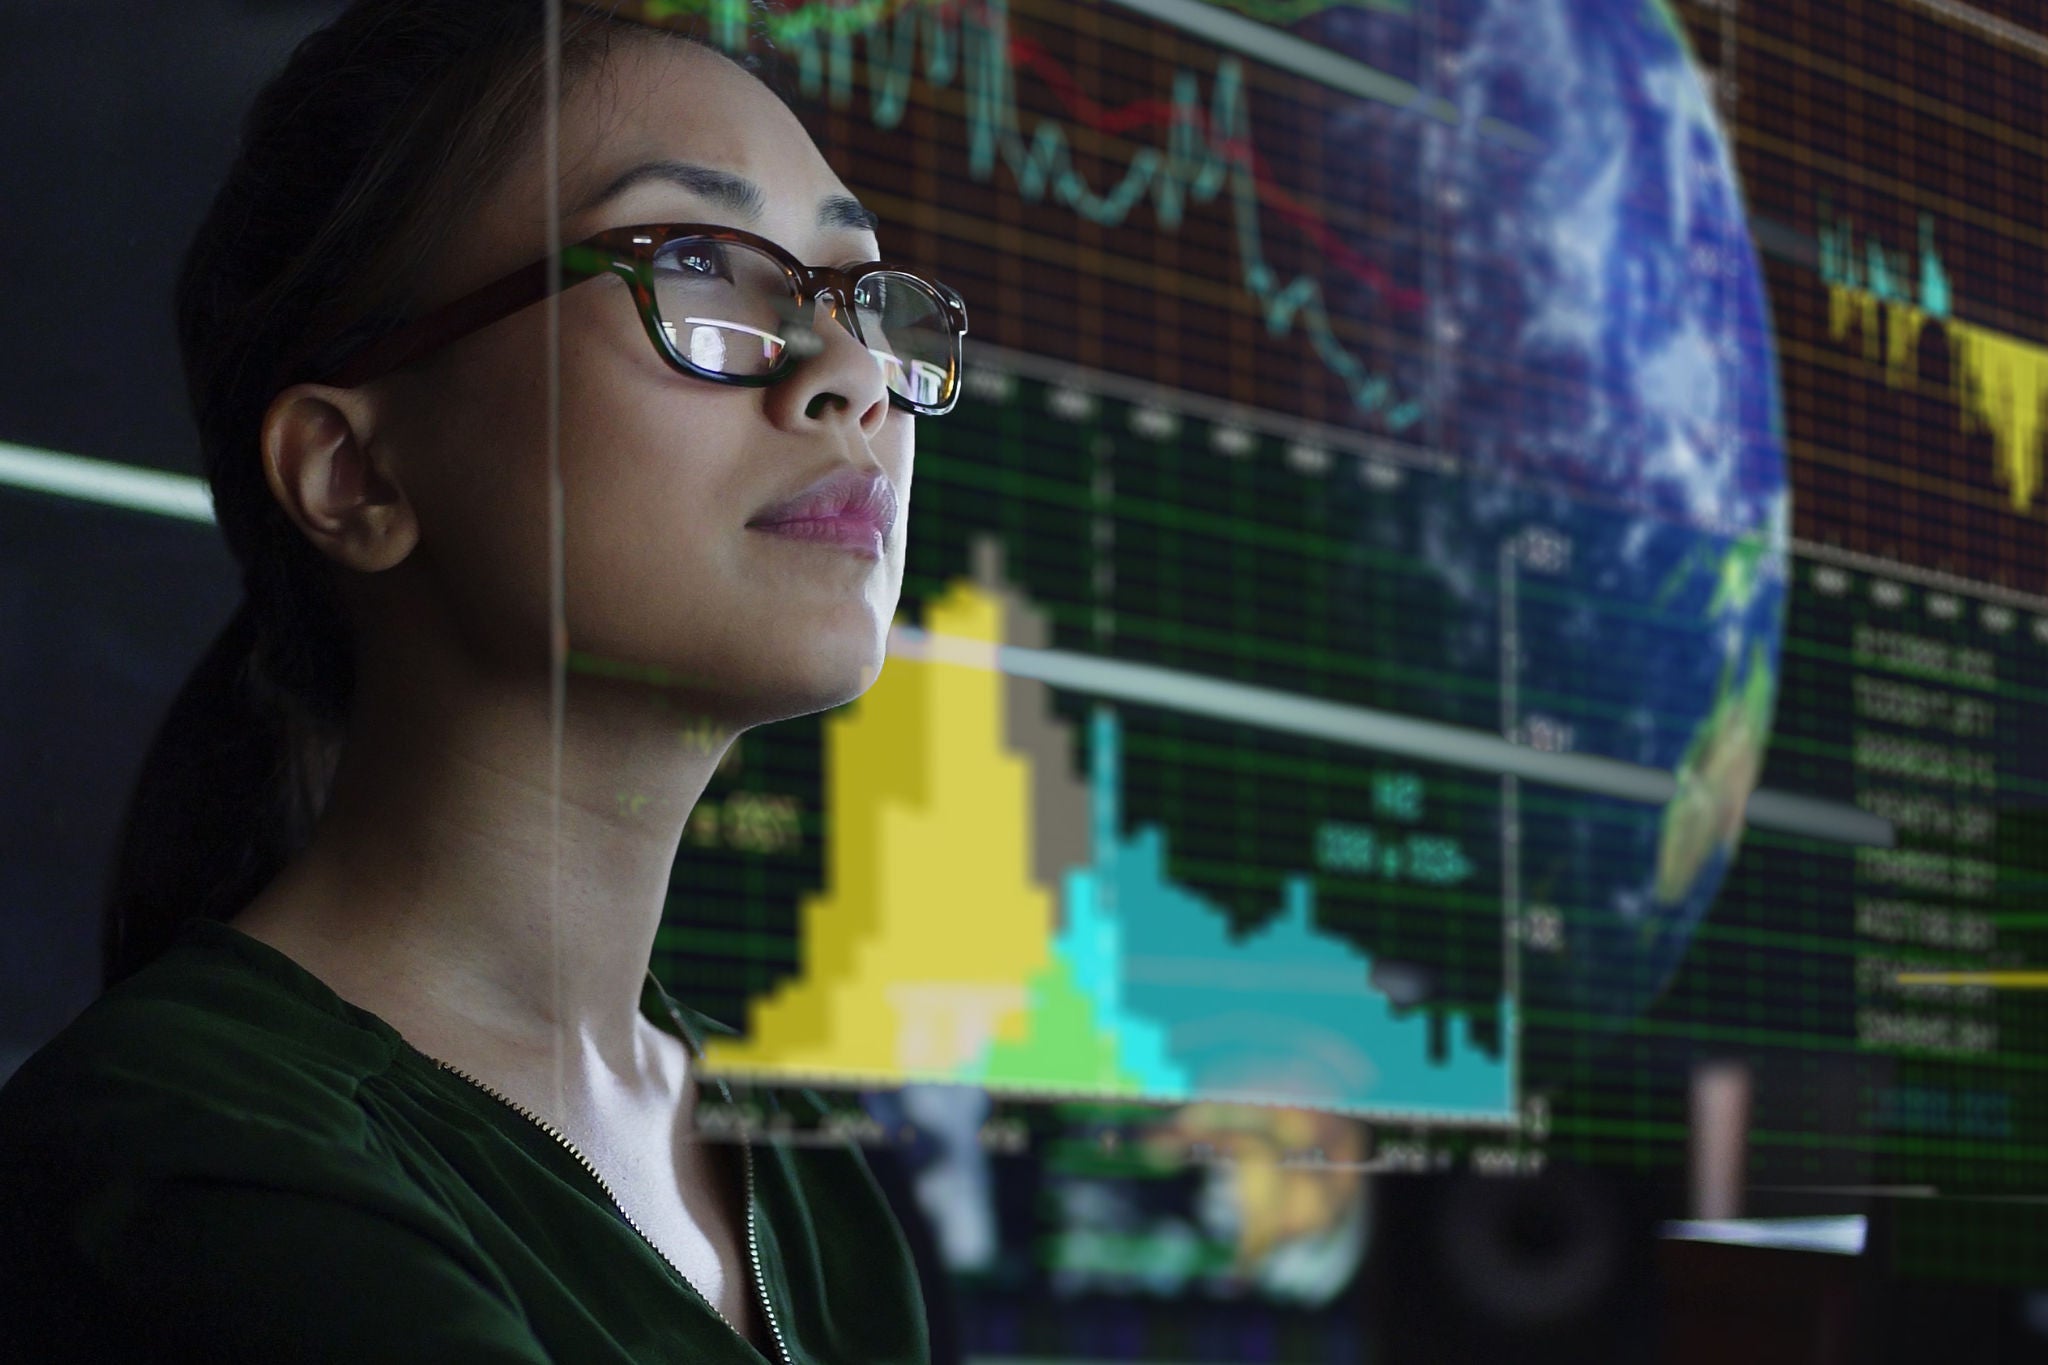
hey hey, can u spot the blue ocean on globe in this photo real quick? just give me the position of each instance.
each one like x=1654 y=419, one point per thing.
x=1597 y=356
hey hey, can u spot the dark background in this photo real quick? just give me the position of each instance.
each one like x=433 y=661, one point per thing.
x=116 y=124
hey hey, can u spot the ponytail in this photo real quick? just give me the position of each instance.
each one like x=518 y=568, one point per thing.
x=229 y=789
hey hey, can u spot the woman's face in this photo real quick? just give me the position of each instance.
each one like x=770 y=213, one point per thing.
x=661 y=472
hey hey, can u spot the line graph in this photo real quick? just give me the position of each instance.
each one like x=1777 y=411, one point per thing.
x=1141 y=113
x=1208 y=152
x=2000 y=381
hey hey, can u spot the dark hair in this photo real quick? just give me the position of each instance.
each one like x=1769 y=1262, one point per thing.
x=380 y=135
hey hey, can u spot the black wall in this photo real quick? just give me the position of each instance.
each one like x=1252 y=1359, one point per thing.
x=116 y=123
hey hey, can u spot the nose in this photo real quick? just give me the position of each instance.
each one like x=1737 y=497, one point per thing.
x=836 y=309
x=839 y=380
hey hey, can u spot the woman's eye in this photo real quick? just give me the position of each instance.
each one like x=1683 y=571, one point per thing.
x=709 y=264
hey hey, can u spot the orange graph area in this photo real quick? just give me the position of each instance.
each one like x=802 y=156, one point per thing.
x=2001 y=382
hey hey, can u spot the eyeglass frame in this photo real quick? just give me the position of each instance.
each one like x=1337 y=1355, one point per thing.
x=629 y=253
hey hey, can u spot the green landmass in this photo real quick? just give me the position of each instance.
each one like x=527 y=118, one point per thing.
x=1715 y=777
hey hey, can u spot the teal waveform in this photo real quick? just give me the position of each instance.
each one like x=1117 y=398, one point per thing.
x=851 y=16
x=2000 y=380
x=1882 y=275
x=1285 y=1014
x=1208 y=151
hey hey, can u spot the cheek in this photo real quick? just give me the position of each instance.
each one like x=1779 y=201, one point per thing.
x=895 y=446
x=474 y=459
x=653 y=489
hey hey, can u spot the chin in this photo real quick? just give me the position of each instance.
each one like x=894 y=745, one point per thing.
x=818 y=684
x=858 y=680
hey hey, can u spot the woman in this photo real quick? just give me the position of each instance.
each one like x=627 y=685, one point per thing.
x=381 y=1073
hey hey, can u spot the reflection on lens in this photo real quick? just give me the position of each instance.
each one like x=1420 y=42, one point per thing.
x=904 y=323
x=707 y=348
x=733 y=299
x=731 y=309
x=927 y=383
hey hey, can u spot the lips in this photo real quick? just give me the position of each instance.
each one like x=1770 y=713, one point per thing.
x=849 y=498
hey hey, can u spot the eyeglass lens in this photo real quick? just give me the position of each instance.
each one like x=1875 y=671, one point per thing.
x=729 y=309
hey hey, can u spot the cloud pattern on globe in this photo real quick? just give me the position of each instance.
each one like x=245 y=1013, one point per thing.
x=1596 y=352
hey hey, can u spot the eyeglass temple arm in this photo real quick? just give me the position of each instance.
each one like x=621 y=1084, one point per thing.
x=457 y=319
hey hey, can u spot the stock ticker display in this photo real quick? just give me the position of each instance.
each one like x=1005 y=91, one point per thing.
x=1423 y=466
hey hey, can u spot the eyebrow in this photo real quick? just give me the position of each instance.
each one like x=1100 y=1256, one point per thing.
x=844 y=211
x=735 y=192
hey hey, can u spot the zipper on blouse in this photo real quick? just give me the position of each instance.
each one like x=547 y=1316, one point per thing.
x=753 y=1242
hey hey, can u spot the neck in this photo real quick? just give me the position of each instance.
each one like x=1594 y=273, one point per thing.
x=466 y=873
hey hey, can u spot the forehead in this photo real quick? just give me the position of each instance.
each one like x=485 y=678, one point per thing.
x=658 y=99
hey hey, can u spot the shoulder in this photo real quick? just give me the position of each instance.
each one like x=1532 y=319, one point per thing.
x=191 y=1151
x=200 y=1040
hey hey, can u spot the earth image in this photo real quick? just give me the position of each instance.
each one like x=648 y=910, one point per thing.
x=1602 y=366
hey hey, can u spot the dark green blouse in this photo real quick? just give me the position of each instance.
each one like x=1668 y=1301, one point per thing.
x=221 y=1159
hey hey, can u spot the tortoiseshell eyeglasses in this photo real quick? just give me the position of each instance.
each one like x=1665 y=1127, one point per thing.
x=724 y=305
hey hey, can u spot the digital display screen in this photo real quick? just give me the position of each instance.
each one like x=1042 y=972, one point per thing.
x=1485 y=580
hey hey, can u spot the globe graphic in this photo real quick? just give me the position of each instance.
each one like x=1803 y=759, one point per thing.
x=1598 y=356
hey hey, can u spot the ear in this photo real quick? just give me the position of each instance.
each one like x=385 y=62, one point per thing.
x=334 y=478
